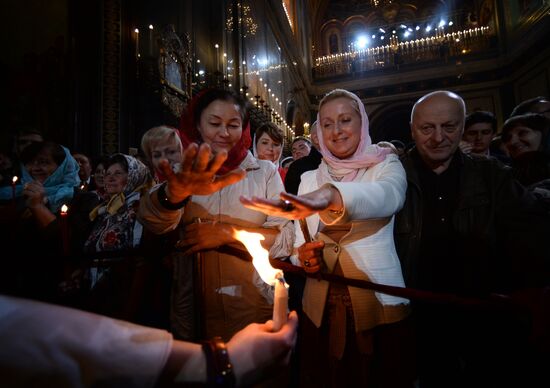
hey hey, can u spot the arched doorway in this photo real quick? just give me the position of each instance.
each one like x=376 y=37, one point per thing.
x=391 y=123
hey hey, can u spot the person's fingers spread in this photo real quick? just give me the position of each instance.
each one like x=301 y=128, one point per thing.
x=229 y=178
x=165 y=169
x=203 y=158
x=188 y=157
x=255 y=203
x=217 y=162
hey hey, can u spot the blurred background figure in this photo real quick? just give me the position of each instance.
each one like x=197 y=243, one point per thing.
x=479 y=129
x=159 y=143
x=268 y=144
x=49 y=177
x=116 y=289
x=306 y=163
x=301 y=147
x=98 y=177
x=526 y=138
x=84 y=172
x=539 y=104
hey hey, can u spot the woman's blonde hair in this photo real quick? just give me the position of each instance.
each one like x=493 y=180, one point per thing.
x=157 y=134
x=338 y=93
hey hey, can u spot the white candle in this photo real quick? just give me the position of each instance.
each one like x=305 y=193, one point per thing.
x=137 y=42
x=151 y=40
x=270 y=275
x=280 y=303
x=217 y=47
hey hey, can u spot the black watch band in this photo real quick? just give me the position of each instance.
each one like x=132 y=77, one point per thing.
x=165 y=202
x=219 y=369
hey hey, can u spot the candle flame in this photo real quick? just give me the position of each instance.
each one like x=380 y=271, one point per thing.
x=260 y=256
x=64 y=209
x=15 y=179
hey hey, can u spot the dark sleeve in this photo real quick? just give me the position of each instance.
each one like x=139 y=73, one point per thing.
x=79 y=221
x=292 y=179
x=524 y=228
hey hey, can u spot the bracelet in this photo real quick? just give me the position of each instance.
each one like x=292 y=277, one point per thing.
x=219 y=369
x=165 y=202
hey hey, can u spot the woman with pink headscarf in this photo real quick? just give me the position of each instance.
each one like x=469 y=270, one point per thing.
x=354 y=337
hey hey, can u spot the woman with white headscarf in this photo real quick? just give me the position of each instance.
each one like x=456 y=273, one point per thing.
x=354 y=337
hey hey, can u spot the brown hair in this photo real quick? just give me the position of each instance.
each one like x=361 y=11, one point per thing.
x=272 y=130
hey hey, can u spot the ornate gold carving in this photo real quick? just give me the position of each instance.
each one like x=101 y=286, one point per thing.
x=174 y=69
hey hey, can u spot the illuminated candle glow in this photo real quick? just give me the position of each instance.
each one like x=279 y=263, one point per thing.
x=13 y=183
x=151 y=40
x=217 y=46
x=270 y=275
x=64 y=229
x=137 y=42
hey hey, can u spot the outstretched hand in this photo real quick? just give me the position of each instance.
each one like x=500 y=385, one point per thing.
x=295 y=207
x=197 y=175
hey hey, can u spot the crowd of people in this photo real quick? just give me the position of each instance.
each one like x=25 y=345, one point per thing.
x=454 y=226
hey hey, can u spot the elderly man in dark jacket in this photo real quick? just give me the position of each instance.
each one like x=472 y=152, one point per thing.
x=467 y=228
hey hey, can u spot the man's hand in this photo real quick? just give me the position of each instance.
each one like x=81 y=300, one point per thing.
x=465 y=147
x=197 y=175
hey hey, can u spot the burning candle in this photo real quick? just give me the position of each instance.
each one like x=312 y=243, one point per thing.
x=280 y=303
x=217 y=47
x=137 y=42
x=151 y=40
x=13 y=182
x=64 y=228
x=270 y=275
x=224 y=66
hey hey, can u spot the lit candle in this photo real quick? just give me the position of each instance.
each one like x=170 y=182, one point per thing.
x=13 y=182
x=217 y=46
x=280 y=303
x=150 y=40
x=64 y=228
x=224 y=65
x=137 y=42
x=270 y=275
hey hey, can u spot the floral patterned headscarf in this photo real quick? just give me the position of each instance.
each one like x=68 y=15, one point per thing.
x=115 y=220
